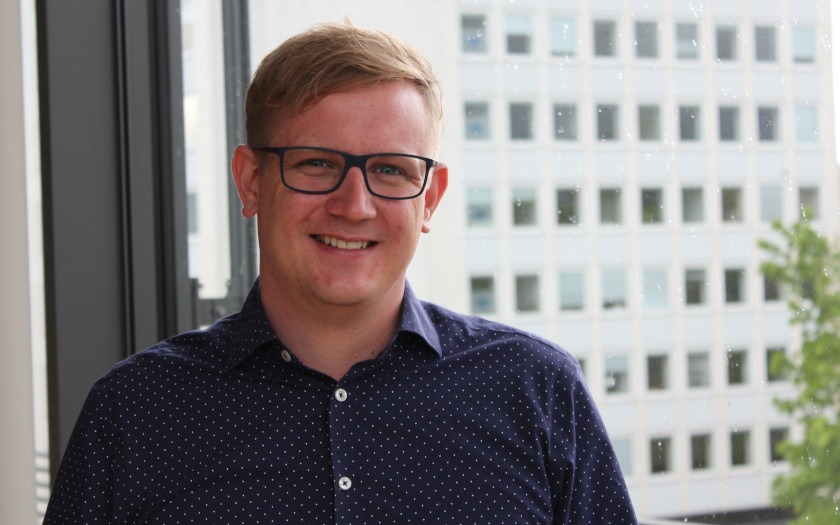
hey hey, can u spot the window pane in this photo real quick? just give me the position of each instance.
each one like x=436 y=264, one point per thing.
x=655 y=288
x=687 y=41
x=698 y=370
x=521 y=121
x=610 y=201
x=604 y=38
x=701 y=451
x=777 y=436
x=571 y=291
x=624 y=451
x=734 y=286
x=479 y=206
x=565 y=122
x=804 y=47
x=614 y=289
x=660 y=455
x=527 y=293
x=563 y=37
x=772 y=290
x=736 y=364
x=652 y=206
x=731 y=205
x=476 y=120
x=482 y=295
x=765 y=44
x=695 y=287
x=740 y=448
x=649 y=128
x=726 y=38
x=807 y=129
x=524 y=206
x=567 y=206
x=647 y=39
x=768 y=122
x=728 y=124
x=771 y=203
x=607 y=121
x=689 y=117
x=693 y=210
x=474 y=33
x=776 y=357
x=518 y=34
x=809 y=202
x=657 y=366
x=617 y=374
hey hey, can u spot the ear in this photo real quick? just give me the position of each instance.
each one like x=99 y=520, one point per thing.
x=434 y=193
x=246 y=175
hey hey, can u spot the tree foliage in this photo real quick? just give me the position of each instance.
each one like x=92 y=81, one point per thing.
x=807 y=266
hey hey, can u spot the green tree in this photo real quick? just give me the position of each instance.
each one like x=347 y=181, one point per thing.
x=807 y=266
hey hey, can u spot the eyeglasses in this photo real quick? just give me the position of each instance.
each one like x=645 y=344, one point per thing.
x=322 y=170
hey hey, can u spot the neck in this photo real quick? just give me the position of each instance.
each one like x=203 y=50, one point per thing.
x=331 y=338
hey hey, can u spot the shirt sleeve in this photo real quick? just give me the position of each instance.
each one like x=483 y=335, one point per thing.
x=82 y=492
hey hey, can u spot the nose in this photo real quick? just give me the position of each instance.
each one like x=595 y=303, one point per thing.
x=352 y=200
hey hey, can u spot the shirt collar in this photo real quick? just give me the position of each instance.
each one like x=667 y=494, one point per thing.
x=252 y=329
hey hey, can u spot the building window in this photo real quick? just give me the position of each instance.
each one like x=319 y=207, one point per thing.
x=476 y=121
x=778 y=436
x=771 y=203
x=731 y=205
x=776 y=358
x=480 y=207
x=772 y=290
x=482 y=295
x=524 y=206
x=726 y=39
x=614 y=289
x=729 y=129
x=765 y=44
x=698 y=370
x=689 y=117
x=568 y=211
x=657 y=369
x=565 y=122
x=807 y=124
x=809 y=202
x=695 y=287
x=474 y=33
x=518 y=29
x=660 y=455
x=768 y=124
x=624 y=452
x=563 y=37
x=610 y=205
x=692 y=205
x=527 y=293
x=653 y=207
x=655 y=288
x=687 y=41
x=607 y=121
x=571 y=291
x=734 y=282
x=701 y=451
x=647 y=39
x=804 y=47
x=736 y=364
x=521 y=121
x=617 y=374
x=605 y=38
x=739 y=442
x=649 y=127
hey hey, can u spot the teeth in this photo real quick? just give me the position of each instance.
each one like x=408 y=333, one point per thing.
x=343 y=245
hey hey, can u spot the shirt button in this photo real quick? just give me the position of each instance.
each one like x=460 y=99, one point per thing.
x=344 y=483
x=341 y=395
x=287 y=357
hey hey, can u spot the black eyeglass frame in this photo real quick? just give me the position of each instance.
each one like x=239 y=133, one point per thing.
x=350 y=161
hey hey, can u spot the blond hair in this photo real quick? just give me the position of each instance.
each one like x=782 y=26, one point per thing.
x=333 y=58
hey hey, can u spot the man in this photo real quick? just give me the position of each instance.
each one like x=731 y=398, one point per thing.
x=335 y=395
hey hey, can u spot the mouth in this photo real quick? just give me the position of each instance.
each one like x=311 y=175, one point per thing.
x=343 y=245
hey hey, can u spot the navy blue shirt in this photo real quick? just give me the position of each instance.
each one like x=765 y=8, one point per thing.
x=458 y=421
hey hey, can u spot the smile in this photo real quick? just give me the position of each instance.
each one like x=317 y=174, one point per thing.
x=342 y=245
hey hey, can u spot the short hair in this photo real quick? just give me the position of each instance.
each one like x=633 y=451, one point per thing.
x=332 y=58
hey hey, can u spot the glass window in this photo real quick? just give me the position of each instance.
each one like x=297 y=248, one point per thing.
x=605 y=38
x=689 y=118
x=772 y=290
x=649 y=127
x=701 y=451
x=624 y=452
x=524 y=206
x=695 y=287
x=655 y=288
x=777 y=436
x=527 y=293
x=768 y=124
x=518 y=33
x=476 y=121
x=568 y=202
x=771 y=203
x=729 y=128
x=809 y=202
x=734 y=283
x=688 y=47
x=807 y=125
x=474 y=33
x=726 y=39
x=607 y=121
x=765 y=44
x=610 y=205
x=653 y=207
x=693 y=210
x=571 y=291
x=617 y=374
x=614 y=289
x=731 y=204
x=804 y=47
x=647 y=39
x=482 y=295
x=521 y=121
x=775 y=358
x=698 y=370
x=565 y=122
x=657 y=369
x=740 y=447
x=479 y=206
x=736 y=365
x=660 y=455
x=563 y=37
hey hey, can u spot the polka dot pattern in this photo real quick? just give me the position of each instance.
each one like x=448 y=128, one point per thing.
x=459 y=421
